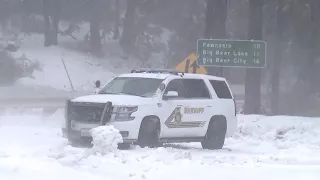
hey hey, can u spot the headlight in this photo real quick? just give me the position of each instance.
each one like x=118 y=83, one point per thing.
x=126 y=109
x=123 y=113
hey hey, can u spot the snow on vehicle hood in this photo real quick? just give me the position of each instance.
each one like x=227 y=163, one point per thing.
x=115 y=99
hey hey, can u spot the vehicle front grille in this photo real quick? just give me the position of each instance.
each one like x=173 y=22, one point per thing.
x=87 y=112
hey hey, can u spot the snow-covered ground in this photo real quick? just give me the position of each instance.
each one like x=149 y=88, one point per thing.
x=83 y=68
x=31 y=147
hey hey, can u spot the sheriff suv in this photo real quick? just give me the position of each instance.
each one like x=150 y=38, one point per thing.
x=152 y=107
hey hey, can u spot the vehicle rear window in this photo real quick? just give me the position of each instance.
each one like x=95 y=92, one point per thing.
x=221 y=89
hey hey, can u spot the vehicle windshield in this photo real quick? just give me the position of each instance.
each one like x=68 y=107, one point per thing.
x=144 y=87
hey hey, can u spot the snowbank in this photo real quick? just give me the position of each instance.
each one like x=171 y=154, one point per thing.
x=105 y=139
x=31 y=143
x=294 y=130
x=31 y=117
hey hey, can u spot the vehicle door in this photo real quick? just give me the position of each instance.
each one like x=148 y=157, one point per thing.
x=198 y=107
x=172 y=110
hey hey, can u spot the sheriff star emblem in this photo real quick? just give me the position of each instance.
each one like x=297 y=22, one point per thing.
x=178 y=117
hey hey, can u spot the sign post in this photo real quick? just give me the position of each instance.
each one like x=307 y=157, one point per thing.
x=229 y=53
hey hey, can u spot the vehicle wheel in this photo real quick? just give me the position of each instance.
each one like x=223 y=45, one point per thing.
x=149 y=133
x=216 y=134
x=123 y=146
x=79 y=142
x=75 y=142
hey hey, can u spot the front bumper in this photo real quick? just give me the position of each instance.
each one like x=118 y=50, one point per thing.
x=77 y=127
x=73 y=135
x=81 y=131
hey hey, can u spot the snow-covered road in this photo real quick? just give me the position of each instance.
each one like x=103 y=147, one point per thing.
x=31 y=147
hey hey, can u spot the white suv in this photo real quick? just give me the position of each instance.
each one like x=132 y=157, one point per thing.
x=151 y=107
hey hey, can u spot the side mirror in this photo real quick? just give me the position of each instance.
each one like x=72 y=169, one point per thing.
x=162 y=87
x=170 y=94
x=98 y=84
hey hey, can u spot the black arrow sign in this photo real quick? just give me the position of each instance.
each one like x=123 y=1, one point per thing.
x=194 y=66
x=186 y=69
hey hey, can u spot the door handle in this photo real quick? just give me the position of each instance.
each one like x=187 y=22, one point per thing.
x=209 y=105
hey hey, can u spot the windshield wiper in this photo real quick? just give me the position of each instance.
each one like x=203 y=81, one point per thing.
x=106 y=93
x=122 y=93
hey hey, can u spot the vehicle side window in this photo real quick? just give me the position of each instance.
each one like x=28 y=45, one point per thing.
x=176 y=85
x=221 y=89
x=195 y=88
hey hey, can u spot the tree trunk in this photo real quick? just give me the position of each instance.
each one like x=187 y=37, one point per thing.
x=46 y=31
x=216 y=17
x=313 y=48
x=55 y=21
x=128 y=35
x=277 y=59
x=25 y=15
x=95 y=36
x=117 y=24
x=253 y=76
x=51 y=15
x=46 y=16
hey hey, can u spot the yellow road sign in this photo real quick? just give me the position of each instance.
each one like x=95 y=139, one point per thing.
x=189 y=65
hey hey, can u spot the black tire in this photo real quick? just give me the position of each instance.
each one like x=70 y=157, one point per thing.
x=216 y=134
x=149 y=133
x=124 y=146
x=76 y=142
x=80 y=142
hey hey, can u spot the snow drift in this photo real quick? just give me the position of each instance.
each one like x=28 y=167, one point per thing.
x=293 y=130
x=32 y=143
x=298 y=130
x=105 y=139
